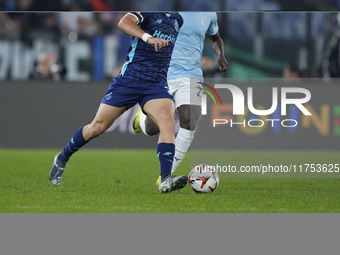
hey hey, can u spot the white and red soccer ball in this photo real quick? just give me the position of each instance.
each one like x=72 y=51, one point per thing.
x=203 y=179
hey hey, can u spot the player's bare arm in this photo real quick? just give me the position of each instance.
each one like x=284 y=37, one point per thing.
x=218 y=48
x=129 y=25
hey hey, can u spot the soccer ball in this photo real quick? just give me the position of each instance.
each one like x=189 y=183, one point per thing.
x=203 y=179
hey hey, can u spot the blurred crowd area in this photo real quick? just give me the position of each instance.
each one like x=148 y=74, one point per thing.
x=63 y=5
x=57 y=24
x=153 y=5
x=257 y=44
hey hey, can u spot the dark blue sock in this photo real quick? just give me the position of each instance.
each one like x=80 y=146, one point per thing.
x=76 y=142
x=165 y=153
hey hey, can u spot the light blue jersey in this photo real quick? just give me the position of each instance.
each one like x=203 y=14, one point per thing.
x=187 y=54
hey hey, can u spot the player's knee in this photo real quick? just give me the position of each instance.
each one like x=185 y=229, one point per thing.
x=167 y=127
x=169 y=122
x=184 y=121
x=188 y=120
x=165 y=119
x=187 y=123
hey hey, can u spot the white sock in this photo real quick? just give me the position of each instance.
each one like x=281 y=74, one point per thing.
x=142 y=119
x=182 y=143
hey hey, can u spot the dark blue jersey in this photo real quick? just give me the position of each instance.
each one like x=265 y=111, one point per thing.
x=143 y=62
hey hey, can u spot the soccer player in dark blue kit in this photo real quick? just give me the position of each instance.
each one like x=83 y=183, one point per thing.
x=143 y=80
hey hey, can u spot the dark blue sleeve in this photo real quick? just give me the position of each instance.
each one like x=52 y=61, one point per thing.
x=179 y=20
x=140 y=16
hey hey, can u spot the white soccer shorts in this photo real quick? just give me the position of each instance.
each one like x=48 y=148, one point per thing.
x=186 y=91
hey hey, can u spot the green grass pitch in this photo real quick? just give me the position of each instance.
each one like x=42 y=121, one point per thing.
x=123 y=181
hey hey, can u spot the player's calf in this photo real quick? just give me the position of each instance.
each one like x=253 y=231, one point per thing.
x=143 y=123
x=150 y=127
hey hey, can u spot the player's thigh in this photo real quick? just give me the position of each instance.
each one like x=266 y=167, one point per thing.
x=104 y=118
x=107 y=114
x=161 y=111
x=186 y=91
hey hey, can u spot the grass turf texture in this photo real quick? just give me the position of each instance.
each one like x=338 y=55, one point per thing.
x=123 y=181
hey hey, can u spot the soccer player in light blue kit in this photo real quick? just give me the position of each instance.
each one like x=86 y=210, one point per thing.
x=184 y=75
x=143 y=80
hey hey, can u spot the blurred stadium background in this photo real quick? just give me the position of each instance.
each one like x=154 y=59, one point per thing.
x=86 y=46
x=65 y=55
